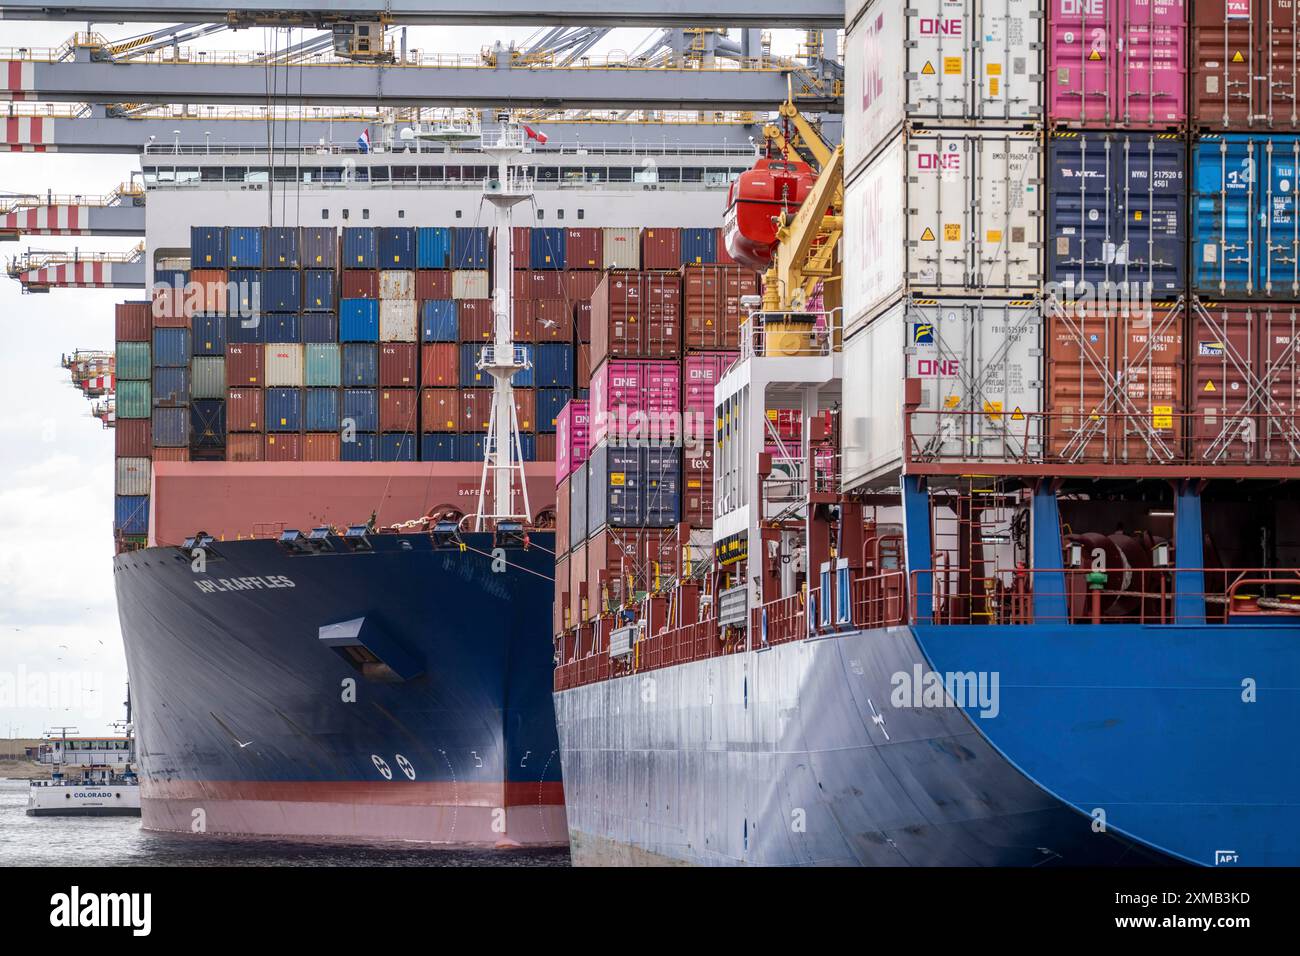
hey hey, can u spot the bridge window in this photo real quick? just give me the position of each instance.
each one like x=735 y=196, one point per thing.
x=670 y=174
x=620 y=174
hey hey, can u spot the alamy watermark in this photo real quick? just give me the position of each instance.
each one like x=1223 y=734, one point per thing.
x=80 y=691
x=965 y=689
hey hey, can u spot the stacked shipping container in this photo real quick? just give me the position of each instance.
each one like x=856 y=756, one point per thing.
x=1120 y=295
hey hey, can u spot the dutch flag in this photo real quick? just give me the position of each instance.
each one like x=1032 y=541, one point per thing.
x=363 y=141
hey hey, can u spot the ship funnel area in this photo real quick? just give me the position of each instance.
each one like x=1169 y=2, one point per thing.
x=503 y=492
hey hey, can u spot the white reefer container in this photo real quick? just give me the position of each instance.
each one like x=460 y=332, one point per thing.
x=397 y=321
x=940 y=63
x=945 y=212
x=470 y=284
x=978 y=363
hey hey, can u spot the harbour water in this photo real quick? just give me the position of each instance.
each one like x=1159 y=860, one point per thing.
x=119 y=841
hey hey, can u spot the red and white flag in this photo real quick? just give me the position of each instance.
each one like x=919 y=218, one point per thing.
x=535 y=134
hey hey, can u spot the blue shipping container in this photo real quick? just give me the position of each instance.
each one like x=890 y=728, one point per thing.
x=170 y=278
x=320 y=327
x=432 y=247
x=397 y=446
x=470 y=447
x=320 y=247
x=208 y=423
x=245 y=295
x=472 y=377
x=396 y=247
x=549 y=403
x=360 y=364
x=360 y=409
x=171 y=427
x=318 y=290
x=171 y=348
x=469 y=247
x=1244 y=223
x=131 y=514
x=323 y=365
x=244 y=247
x=208 y=334
x=281 y=290
x=363 y=446
x=208 y=247
x=282 y=327
x=170 y=387
x=280 y=247
x=284 y=409
x=554 y=366
x=546 y=249
x=1116 y=212
x=440 y=447
x=246 y=330
x=438 y=320
x=634 y=487
x=360 y=248
x=699 y=245
x=322 y=409
x=358 y=320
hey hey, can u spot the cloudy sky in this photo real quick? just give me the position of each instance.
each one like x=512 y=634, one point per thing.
x=61 y=658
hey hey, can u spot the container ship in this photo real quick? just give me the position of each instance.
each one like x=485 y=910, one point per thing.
x=321 y=640
x=990 y=559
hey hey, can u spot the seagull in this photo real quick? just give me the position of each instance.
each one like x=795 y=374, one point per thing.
x=242 y=745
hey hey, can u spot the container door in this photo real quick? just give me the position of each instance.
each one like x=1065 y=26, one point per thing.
x=1082 y=58
x=1281 y=52
x=1151 y=171
x=1223 y=214
x=1279 y=259
x=1278 y=390
x=1081 y=246
x=991 y=195
x=1006 y=50
x=1224 y=363
x=1151 y=62
x=939 y=59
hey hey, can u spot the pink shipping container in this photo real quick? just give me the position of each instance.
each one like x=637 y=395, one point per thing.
x=700 y=372
x=1117 y=63
x=636 y=398
x=572 y=438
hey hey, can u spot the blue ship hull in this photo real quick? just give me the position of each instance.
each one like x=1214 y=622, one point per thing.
x=398 y=693
x=1110 y=745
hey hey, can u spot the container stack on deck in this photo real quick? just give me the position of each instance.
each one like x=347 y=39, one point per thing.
x=311 y=344
x=1092 y=273
x=634 y=464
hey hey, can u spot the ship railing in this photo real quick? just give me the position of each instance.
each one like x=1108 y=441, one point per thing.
x=992 y=596
x=791 y=334
x=1126 y=439
x=875 y=600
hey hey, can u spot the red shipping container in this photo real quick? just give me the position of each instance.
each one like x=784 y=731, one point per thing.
x=521 y=240
x=170 y=308
x=697 y=484
x=526 y=409
x=711 y=309
x=1115 y=385
x=398 y=409
x=282 y=446
x=552 y=320
x=619 y=557
x=636 y=399
x=360 y=284
x=545 y=447
x=661 y=247
x=132 y=438
x=321 y=446
x=581 y=285
x=1245 y=65
x=244 y=363
x=1245 y=393
x=131 y=321
x=544 y=284
x=521 y=315
x=432 y=284
x=245 y=410
x=720 y=241
x=634 y=315
x=582 y=319
x=209 y=291
x=584 y=248
x=440 y=365
x=582 y=365
x=561 y=600
x=475 y=409
x=171 y=454
x=439 y=409
x=245 y=447
x=1119 y=64
x=397 y=364
x=475 y=320
x=578 y=598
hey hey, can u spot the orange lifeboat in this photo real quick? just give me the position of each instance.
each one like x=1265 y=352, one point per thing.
x=757 y=198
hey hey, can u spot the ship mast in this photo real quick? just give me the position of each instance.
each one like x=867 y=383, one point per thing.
x=502 y=451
